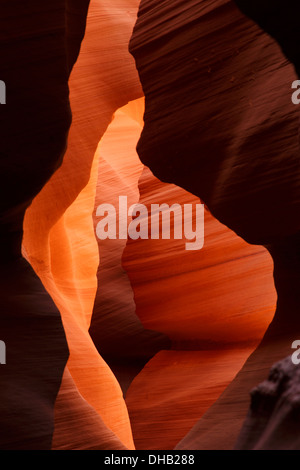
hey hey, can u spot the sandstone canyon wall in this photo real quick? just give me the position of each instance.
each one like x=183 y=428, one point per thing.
x=141 y=344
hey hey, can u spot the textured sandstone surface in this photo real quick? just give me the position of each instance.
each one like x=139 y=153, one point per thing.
x=59 y=236
x=220 y=123
x=175 y=389
x=212 y=331
x=115 y=329
x=273 y=418
x=219 y=119
x=142 y=344
x=33 y=127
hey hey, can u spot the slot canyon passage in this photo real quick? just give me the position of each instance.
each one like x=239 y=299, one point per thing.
x=140 y=344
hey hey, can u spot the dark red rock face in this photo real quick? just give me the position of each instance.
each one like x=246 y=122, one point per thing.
x=38 y=48
x=219 y=119
x=39 y=44
x=280 y=20
x=219 y=122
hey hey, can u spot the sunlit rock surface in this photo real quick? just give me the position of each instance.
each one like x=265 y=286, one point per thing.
x=116 y=329
x=188 y=295
x=59 y=236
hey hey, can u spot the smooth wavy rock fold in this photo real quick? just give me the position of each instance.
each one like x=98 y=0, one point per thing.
x=59 y=237
x=116 y=330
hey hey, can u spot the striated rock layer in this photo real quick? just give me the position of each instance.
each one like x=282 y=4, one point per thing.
x=219 y=119
x=115 y=328
x=59 y=235
x=188 y=295
x=175 y=389
x=59 y=239
x=273 y=419
x=219 y=122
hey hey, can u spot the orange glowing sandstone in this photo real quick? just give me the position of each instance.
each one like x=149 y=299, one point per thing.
x=187 y=296
x=59 y=238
